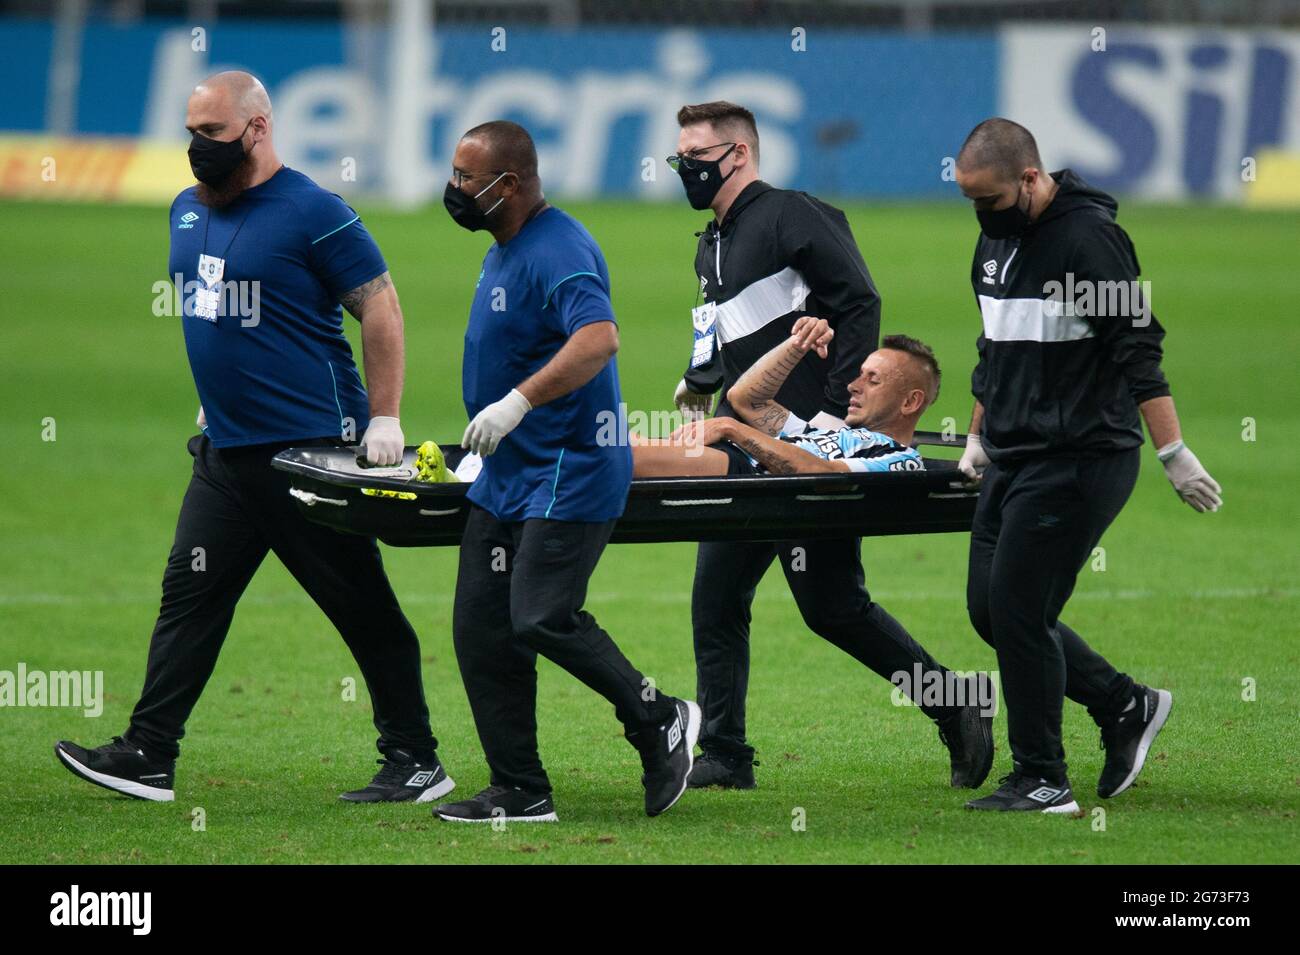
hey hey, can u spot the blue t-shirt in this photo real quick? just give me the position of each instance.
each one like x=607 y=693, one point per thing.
x=566 y=461
x=270 y=360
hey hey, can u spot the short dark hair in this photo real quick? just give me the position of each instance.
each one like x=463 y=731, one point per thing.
x=729 y=119
x=924 y=355
x=1002 y=145
x=509 y=145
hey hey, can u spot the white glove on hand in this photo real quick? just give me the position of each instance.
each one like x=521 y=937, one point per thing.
x=202 y=419
x=692 y=406
x=495 y=422
x=973 y=460
x=383 y=441
x=1189 y=478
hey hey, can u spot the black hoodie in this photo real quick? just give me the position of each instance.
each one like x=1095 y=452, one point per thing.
x=780 y=254
x=1069 y=347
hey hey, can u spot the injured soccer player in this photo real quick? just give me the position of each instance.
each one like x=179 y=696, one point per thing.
x=897 y=383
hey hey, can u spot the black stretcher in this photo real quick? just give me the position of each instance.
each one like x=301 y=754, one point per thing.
x=327 y=485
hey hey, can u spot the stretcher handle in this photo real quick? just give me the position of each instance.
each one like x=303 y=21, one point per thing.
x=937 y=439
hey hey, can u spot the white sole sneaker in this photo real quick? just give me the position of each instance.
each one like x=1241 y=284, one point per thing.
x=438 y=791
x=548 y=817
x=1070 y=806
x=1164 y=703
x=126 y=787
x=694 y=719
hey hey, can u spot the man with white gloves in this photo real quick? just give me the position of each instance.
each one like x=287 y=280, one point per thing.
x=1069 y=366
x=1183 y=468
x=539 y=377
x=253 y=229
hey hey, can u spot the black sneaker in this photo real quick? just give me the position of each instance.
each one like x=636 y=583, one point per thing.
x=1020 y=793
x=507 y=803
x=121 y=767
x=728 y=772
x=969 y=738
x=667 y=755
x=404 y=781
x=1128 y=738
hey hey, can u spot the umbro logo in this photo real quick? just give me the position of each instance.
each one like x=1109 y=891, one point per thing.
x=1044 y=794
x=674 y=734
x=991 y=267
x=421 y=779
x=188 y=220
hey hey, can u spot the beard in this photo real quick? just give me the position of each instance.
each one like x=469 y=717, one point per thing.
x=873 y=419
x=230 y=188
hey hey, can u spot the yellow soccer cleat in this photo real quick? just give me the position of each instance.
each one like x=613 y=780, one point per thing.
x=431 y=466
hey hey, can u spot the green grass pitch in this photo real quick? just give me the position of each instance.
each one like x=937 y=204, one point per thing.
x=1194 y=603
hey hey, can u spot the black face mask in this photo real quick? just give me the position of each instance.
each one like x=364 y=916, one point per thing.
x=214 y=160
x=463 y=208
x=1008 y=223
x=703 y=179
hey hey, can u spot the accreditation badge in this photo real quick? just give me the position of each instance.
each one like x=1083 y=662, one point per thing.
x=207 y=300
x=705 y=319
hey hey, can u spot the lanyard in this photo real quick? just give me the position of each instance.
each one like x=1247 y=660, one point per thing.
x=208 y=222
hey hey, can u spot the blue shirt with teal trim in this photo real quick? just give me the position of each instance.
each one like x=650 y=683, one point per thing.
x=566 y=460
x=260 y=282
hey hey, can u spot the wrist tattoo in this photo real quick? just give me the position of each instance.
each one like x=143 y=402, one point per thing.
x=773 y=463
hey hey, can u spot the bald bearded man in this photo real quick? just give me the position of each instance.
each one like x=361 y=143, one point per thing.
x=265 y=258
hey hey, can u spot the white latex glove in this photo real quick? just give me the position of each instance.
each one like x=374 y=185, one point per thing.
x=973 y=460
x=202 y=419
x=692 y=406
x=495 y=422
x=1189 y=477
x=383 y=441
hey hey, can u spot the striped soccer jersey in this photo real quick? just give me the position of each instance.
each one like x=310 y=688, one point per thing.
x=860 y=448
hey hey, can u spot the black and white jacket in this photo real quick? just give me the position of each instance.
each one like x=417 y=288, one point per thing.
x=1069 y=347
x=780 y=254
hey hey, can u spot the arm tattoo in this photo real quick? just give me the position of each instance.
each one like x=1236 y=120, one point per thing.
x=354 y=299
x=773 y=463
x=759 y=386
x=770 y=417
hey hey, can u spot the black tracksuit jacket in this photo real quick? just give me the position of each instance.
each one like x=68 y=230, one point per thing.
x=780 y=254
x=1051 y=382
